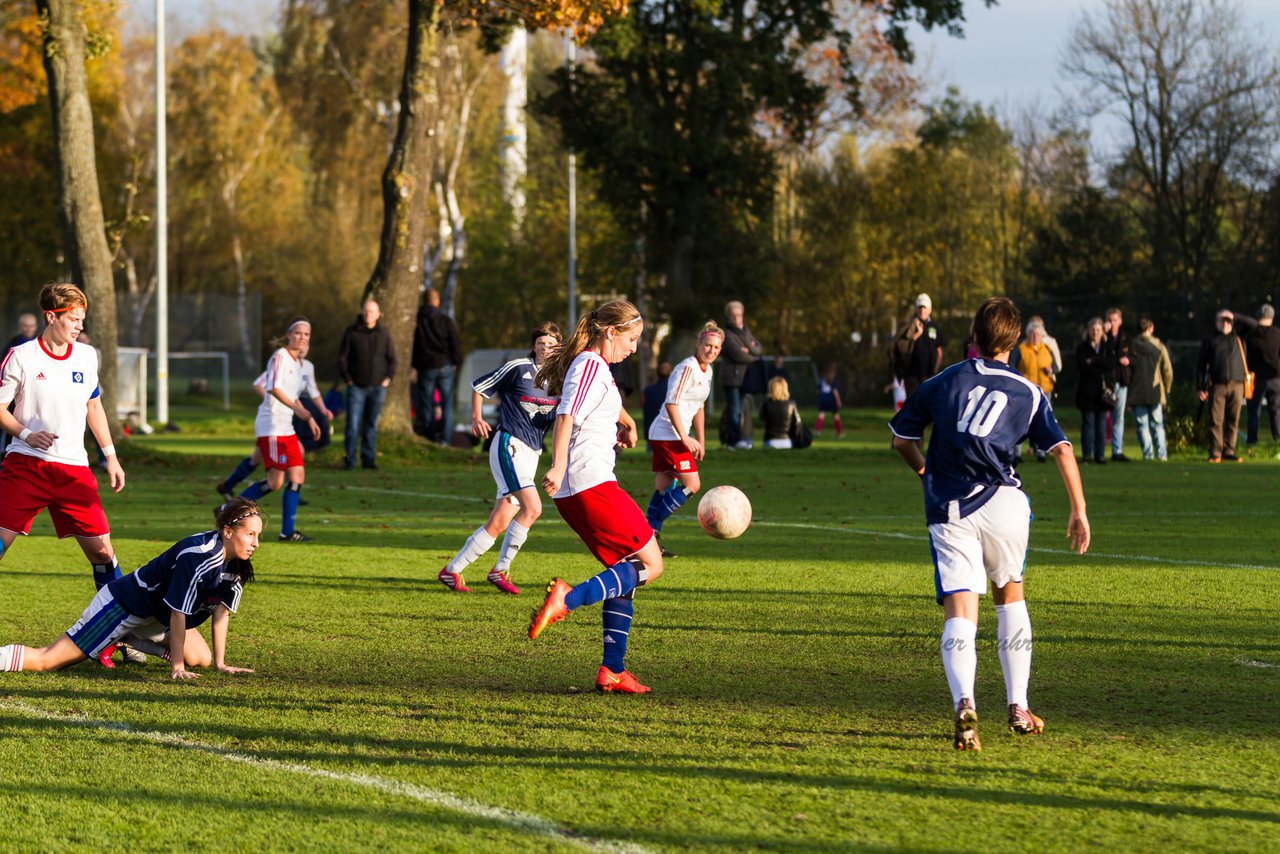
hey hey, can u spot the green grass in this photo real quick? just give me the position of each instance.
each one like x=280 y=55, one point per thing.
x=798 y=702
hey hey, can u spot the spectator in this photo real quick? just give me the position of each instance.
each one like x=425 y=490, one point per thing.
x=1035 y=362
x=437 y=356
x=741 y=349
x=26 y=332
x=779 y=415
x=367 y=364
x=1050 y=342
x=1122 y=364
x=777 y=369
x=1093 y=362
x=1220 y=375
x=653 y=396
x=918 y=346
x=1152 y=378
x=1264 y=357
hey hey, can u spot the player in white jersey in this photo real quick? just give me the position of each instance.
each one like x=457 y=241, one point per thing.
x=277 y=442
x=525 y=414
x=590 y=422
x=249 y=464
x=676 y=452
x=53 y=385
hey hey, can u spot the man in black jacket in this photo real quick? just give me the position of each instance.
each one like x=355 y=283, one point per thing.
x=437 y=355
x=740 y=350
x=1263 y=348
x=1121 y=349
x=366 y=363
x=1220 y=372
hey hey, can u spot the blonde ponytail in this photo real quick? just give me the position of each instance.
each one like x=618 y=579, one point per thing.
x=618 y=313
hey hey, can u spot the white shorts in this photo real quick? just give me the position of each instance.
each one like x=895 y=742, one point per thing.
x=990 y=543
x=513 y=463
x=106 y=621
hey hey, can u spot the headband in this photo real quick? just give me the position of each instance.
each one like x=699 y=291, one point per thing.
x=296 y=324
x=635 y=319
x=716 y=331
x=61 y=310
x=242 y=517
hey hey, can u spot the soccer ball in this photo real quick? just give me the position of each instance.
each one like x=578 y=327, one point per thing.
x=724 y=512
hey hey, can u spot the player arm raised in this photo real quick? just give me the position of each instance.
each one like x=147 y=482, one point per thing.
x=221 y=617
x=1077 y=522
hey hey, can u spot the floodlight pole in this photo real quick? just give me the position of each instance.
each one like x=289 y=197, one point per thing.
x=571 y=58
x=162 y=232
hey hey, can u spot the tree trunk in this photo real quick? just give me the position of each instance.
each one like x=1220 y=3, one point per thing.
x=406 y=195
x=79 y=205
x=513 y=61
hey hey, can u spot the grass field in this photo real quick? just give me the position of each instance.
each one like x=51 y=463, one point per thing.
x=798 y=705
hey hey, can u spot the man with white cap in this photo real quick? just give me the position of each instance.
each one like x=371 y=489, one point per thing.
x=917 y=348
x=1263 y=347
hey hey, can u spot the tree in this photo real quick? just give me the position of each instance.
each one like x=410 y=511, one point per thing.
x=1199 y=96
x=397 y=276
x=67 y=43
x=673 y=112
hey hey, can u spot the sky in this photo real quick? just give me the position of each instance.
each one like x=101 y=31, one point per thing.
x=1010 y=55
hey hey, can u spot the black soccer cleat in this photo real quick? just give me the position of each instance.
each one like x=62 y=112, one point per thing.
x=296 y=537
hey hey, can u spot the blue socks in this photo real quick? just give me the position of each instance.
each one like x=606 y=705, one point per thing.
x=618 y=580
x=664 y=503
x=292 y=495
x=256 y=490
x=242 y=471
x=617 y=627
x=105 y=573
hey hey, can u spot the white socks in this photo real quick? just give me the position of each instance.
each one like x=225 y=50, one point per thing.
x=1013 y=639
x=11 y=658
x=477 y=544
x=960 y=657
x=511 y=543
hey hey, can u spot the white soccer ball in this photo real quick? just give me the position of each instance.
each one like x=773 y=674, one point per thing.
x=724 y=512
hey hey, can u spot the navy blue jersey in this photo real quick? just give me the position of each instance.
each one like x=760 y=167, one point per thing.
x=191 y=577
x=981 y=410
x=526 y=410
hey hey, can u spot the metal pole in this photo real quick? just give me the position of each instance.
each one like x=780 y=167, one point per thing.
x=571 y=58
x=162 y=233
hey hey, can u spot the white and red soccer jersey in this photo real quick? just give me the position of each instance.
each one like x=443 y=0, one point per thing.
x=591 y=396
x=285 y=373
x=688 y=389
x=51 y=393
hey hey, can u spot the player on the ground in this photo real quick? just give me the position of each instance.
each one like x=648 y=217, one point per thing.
x=676 y=452
x=277 y=442
x=249 y=464
x=978 y=516
x=53 y=385
x=164 y=600
x=590 y=423
x=524 y=416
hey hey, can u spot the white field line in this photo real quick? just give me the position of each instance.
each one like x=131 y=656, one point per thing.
x=892 y=535
x=518 y=821
x=439 y=495
x=1252 y=662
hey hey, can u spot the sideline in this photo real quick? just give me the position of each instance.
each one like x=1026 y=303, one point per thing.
x=513 y=819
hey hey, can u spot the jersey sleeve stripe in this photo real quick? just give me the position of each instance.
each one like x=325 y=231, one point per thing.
x=490 y=381
x=580 y=394
x=902 y=436
x=685 y=376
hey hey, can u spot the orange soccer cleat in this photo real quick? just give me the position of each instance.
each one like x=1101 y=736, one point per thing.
x=623 y=683
x=553 y=609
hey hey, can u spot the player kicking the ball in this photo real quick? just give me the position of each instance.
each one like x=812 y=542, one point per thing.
x=675 y=451
x=53 y=385
x=523 y=419
x=978 y=516
x=590 y=422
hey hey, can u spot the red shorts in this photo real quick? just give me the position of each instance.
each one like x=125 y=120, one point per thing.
x=607 y=520
x=280 y=452
x=29 y=484
x=672 y=455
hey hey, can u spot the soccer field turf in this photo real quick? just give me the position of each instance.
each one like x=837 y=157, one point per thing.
x=799 y=702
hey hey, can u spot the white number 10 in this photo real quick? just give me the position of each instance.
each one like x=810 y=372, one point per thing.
x=982 y=411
